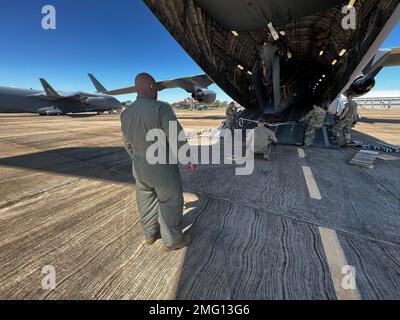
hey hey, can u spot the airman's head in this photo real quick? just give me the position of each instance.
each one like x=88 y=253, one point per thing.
x=146 y=86
x=261 y=123
x=349 y=97
x=232 y=105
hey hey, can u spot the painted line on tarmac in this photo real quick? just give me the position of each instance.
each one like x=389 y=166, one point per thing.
x=302 y=153
x=337 y=264
x=311 y=184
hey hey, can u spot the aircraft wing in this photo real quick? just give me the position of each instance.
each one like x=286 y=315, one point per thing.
x=393 y=58
x=188 y=84
x=383 y=58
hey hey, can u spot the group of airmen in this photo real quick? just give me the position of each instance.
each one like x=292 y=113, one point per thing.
x=315 y=119
x=259 y=140
x=263 y=137
x=159 y=194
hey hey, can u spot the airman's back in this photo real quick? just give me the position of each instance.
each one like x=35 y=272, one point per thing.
x=138 y=119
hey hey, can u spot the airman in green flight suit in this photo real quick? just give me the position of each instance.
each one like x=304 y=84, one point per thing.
x=158 y=186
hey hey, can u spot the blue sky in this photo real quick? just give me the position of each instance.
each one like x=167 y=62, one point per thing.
x=112 y=39
x=388 y=80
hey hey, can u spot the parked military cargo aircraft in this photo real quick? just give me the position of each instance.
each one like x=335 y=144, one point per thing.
x=52 y=102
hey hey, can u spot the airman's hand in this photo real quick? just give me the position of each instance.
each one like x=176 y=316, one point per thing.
x=192 y=167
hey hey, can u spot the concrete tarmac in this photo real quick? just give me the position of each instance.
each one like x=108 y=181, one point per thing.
x=305 y=225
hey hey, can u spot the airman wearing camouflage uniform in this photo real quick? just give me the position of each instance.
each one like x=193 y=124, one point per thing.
x=260 y=139
x=231 y=115
x=158 y=186
x=314 y=120
x=342 y=129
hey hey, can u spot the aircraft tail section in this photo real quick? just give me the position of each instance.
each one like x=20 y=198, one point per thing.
x=99 y=87
x=49 y=89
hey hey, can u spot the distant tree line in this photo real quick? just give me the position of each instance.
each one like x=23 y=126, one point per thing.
x=126 y=103
x=216 y=105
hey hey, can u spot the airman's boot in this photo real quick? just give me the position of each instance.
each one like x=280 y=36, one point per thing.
x=186 y=239
x=150 y=240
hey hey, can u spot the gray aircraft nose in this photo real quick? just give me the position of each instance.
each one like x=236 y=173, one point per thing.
x=118 y=104
x=114 y=102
